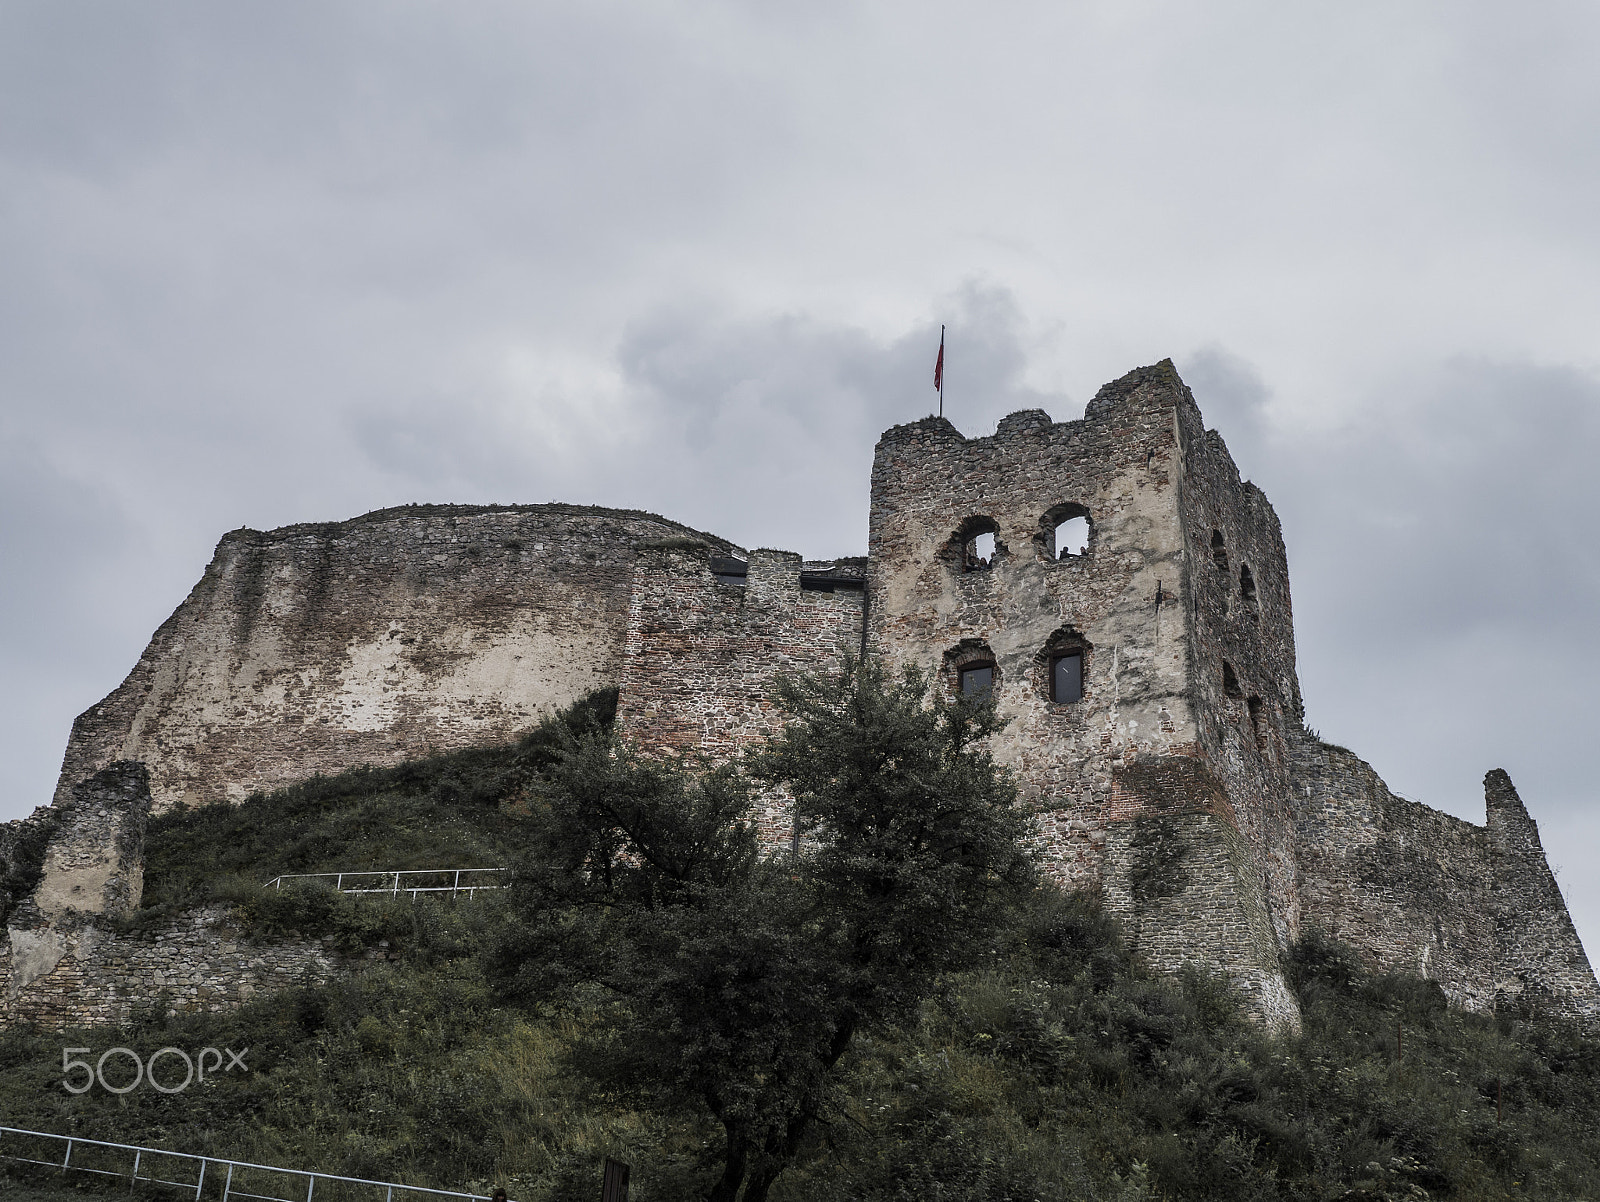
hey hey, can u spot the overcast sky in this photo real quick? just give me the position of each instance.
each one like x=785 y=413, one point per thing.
x=274 y=262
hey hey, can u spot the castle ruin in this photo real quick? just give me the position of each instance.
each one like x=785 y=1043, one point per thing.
x=1147 y=667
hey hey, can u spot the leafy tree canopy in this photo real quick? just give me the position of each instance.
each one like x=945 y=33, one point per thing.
x=738 y=983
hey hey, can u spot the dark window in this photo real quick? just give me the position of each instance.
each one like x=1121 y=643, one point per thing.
x=1256 y=717
x=729 y=570
x=1219 y=551
x=1066 y=677
x=977 y=680
x=1247 y=589
x=1230 y=681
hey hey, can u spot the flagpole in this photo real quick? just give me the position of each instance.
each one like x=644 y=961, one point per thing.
x=941 y=370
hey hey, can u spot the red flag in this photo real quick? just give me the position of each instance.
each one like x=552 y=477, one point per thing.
x=938 y=364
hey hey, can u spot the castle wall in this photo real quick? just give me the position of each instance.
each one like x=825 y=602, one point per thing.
x=702 y=654
x=407 y=632
x=1405 y=885
x=195 y=964
x=1475 y=908
x=1540 y=964
x=1127 y=604
x=1242 y=676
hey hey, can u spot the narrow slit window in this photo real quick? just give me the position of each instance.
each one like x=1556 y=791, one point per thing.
x=977 y=679
x=1230 y=681
x=1219 y=551
x=1072 y=538
x=1066 y=677
x=983 y=550
x=1255 y=717
x=1247 y=589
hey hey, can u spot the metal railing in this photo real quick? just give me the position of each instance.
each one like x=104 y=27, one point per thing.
x=236 y=1175
x=388 y=881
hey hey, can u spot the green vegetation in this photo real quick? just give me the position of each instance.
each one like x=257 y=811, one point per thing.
x=735 y=986
x=1053 y=1067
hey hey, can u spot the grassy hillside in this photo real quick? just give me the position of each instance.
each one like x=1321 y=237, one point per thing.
x=1061 y=1070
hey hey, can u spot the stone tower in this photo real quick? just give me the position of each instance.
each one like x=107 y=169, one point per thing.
x=1149 y=673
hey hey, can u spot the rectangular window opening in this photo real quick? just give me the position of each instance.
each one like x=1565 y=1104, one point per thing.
x=977 y=680
x=1066 y=678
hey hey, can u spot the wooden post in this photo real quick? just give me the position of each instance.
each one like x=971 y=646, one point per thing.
x=614 y=1185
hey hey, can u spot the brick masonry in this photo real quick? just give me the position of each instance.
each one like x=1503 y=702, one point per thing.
x=1182 y=785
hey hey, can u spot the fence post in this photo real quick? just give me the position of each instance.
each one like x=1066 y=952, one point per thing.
x=614 y=1182
x=201 y=1184
x=311 y=1186
x=68 y=1157
x=228 y=1184
x=134 y=1180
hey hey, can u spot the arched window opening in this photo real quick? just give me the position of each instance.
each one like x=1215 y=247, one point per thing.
x=1230 y=681
x=1072 y=538
x=1066 y=531
x=1219 y=551
x=970 y=669
x=1247 y=590
x=975 y=546
x=1062 y=666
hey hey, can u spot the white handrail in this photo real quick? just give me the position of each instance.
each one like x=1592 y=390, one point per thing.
x=228 y=1191
x=392 y=885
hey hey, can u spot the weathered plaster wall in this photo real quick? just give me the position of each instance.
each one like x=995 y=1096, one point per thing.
x=702 y=654
x=317 y=648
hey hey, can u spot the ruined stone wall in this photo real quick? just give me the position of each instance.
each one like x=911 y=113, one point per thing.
x=196 y=964
x=407 y=632
x=1540 y=964
x=929 y=484
x=1126 y=605
x=1242 y=679
x=702 y=654
x=1475 y=908
x=1405 y=885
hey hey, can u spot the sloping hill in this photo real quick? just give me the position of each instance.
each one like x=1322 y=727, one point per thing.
x=1062 y=1070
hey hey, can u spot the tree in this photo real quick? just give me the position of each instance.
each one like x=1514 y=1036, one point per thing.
x=740 y=983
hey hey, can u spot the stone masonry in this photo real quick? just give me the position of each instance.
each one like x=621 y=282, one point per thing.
x=1180 y=785
x=400 y=634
